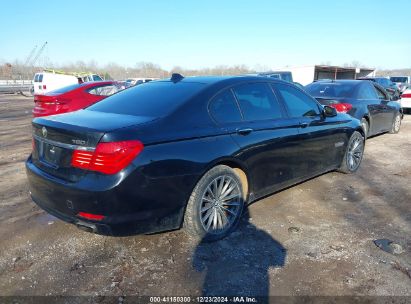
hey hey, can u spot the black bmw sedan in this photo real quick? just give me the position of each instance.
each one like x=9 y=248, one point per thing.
x=185 y=152
x=362 y=99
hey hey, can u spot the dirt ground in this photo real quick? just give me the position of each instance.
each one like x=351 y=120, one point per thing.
x=313 y=239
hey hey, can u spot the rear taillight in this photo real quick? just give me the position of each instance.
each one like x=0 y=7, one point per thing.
x=341 y=107
x=57 y=101
x=44 y=87
x=408 y=95
x=108 y=158
x=90 y=216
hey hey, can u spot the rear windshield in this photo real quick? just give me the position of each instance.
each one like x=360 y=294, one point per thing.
x=383 y=81
x=66 y=89
x=325 y=90
x=152 y=99
x=38 y=78
x=286 y=76
x=399 y=79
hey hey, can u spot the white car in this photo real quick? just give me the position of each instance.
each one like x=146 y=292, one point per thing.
x=136 y=81
x=406 y=100
x=50 y=80
x=402 y=82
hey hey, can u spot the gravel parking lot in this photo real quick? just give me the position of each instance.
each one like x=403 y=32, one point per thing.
x=313 y=239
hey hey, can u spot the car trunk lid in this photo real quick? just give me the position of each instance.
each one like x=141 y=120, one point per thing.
x=56 y=137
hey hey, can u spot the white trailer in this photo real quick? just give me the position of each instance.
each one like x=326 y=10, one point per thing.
x=307 y=74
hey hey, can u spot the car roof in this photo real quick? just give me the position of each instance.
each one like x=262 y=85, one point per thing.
x=95 y=83
x=365 y=78
x=349 y=81
x=217 y=79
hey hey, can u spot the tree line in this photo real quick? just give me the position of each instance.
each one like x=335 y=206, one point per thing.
x=18 y=70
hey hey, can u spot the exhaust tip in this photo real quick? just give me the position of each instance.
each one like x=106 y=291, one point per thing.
x=86 y=227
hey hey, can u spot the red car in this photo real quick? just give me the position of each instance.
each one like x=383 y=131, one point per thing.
x=73 y=97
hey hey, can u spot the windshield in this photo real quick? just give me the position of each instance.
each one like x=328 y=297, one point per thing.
x=399 y=79
x=153 y=99
x=65 y=89
x=333 y=90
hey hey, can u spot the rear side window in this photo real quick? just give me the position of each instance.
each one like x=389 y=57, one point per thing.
x=298 y=103
x=105 y=90
x=40 y=78
x=152 y=99
x=257 y=102
x=381 y=95
x=367 y=91
x=224 y=108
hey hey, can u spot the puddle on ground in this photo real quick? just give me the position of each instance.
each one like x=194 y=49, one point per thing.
x=389 y=246
x=45 y=219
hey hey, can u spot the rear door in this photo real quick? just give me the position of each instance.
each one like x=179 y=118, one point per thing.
x=265 y=135
x=38 y=84
x=321 y=141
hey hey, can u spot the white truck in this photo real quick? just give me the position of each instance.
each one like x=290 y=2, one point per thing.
x=402 y=82
x=50 y=80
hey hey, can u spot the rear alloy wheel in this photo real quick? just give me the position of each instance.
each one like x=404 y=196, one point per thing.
x=396 y=124
x=353 y=154
x=365 y=126
x=216 y=204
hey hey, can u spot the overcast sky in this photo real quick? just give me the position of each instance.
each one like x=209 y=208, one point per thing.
x=196 y=34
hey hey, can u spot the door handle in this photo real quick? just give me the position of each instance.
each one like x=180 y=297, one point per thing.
x=303 y=124
x=245 y=131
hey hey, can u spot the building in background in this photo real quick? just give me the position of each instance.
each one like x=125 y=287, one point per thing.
x=308 y=74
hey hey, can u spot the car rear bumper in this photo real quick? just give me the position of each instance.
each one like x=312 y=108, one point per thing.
x=122 y=215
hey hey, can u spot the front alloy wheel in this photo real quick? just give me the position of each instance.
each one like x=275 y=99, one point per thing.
x=354 y=153
x=396 y=125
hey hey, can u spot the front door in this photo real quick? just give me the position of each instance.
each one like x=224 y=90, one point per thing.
x=321 y=141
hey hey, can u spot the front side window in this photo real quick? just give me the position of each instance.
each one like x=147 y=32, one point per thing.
x=224 y=108
x=257 y=102
x=366 y=91
x=298 y=103
x=97 y=78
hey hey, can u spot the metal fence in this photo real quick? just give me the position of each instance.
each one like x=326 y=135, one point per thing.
x=15 y=86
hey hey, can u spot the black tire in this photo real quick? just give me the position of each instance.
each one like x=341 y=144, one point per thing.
x=396 y=124
x=353 y=154
x=201 y=204
x=365 y=126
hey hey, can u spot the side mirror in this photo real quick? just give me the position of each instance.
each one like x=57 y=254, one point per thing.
x=329 y=111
